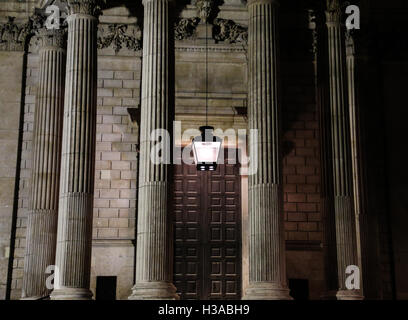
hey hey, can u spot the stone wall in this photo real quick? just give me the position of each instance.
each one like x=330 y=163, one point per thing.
x=116 y=171
x=11 y=86
x=11 y=71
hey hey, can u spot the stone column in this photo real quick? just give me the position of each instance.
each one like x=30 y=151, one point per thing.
x=74 y=239
x=154 y=248
x=43 y=205
x=319 y=32
x=267 y=267
x=341 y=152
x=354 y=134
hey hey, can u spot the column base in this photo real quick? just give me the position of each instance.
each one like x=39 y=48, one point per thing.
x=154 y=290
x=266 y=291
x=71 y=294
x=349 y=295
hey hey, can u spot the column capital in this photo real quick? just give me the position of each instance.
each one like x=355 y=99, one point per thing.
x=87 y=7
x=333 y=12
x=51 y=38
x=274 y=2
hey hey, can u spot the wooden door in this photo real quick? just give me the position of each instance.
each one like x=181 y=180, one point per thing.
x=207 y=231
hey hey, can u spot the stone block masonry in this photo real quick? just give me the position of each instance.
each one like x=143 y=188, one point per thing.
x=116 y=156
x=301 y=164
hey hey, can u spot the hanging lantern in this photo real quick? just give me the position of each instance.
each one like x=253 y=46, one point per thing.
x=206 y=149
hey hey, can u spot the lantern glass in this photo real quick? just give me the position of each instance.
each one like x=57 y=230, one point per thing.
x=206 y=149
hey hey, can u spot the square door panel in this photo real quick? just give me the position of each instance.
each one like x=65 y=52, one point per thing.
x=216 y=186
x=216 y=234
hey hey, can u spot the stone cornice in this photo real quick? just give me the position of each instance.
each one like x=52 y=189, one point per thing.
x=210 y=48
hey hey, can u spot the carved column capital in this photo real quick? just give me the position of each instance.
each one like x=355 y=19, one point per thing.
x=88 y=7
x=51 y=38
x=333 y=13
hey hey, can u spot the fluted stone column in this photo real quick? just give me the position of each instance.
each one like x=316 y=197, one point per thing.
x=43 y=205
x=154 y=248
x=355 y=152
x=319 y=31
x=74 y=239
x=341 y=152
x=267 y=270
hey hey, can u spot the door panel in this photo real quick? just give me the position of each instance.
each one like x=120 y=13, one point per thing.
x=207 y=223
x=187 y=227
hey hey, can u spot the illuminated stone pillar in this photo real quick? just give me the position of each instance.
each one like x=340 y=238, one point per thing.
x=43 y=206
x=341 y=152
x=267 y=267
x=154 y=242
x=74 y=237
